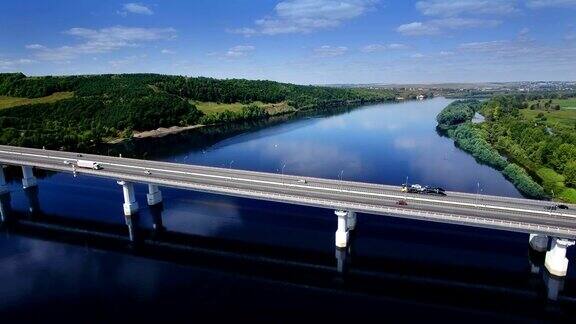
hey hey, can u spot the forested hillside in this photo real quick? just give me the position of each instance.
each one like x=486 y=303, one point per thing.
x=535 y=148
x=112 y=106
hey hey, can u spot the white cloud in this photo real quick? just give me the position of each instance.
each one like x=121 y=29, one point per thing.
x=551 y=3
x=167 y=51
x=239 y=51
x=136 y=8
x=305 y=16
x=102 y=41
x=417 y=55
x=129 y=60
x=330 y=51
x=6 y=64
x=438 y=26
x=34 y=46
x=382 y=47
x=397 y=46
x=243 y=31
x=516 y=51
x=451 y=8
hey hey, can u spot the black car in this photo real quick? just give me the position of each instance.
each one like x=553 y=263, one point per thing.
x=562 y=207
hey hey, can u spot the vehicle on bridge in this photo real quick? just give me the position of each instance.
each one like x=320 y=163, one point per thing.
x=426 y=190
x=88 y=165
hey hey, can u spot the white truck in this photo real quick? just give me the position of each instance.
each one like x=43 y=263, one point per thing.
x=88 y=164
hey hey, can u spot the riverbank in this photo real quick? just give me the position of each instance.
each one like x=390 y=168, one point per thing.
x=162 y=131
x=271 y=117
x=105 y=107
x=534 y=159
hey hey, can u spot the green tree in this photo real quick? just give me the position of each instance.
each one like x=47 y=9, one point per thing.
x=570 y=173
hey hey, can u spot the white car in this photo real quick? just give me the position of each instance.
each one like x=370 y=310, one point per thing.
x=67 y=162
x=302 y=181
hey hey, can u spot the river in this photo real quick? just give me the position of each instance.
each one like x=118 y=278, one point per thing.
x=397 y=267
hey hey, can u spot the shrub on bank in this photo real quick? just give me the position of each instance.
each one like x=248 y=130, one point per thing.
x=457 y=112
x=470 y=139
x=523 y=181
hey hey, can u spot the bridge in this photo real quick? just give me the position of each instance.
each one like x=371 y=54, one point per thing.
x=551 y=230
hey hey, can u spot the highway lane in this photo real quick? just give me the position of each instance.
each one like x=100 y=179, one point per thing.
x=452 y=197
x=470 y=200
x=332 y=192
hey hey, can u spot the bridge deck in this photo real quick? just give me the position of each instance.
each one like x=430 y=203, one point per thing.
x=522 y=215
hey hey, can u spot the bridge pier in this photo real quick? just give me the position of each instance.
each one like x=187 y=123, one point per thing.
x=556 y=261
x=154 y=195
x=539 y=242
x=345 y=221
x=130 y=204
x=3 y=184
x=28 y=178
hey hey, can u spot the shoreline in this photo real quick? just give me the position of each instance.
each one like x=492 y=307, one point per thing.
x=163 y=131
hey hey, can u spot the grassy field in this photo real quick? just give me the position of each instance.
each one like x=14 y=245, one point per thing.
x=213 y=107
x=8 y=102
x=565 y=116
x=564 y=103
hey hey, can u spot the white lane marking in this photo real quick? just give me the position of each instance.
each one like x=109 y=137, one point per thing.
x=303 y=186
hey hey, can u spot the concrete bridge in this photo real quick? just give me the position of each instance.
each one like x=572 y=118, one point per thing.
x=551 y=230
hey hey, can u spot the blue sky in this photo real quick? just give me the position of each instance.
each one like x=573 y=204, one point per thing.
x=301 y=41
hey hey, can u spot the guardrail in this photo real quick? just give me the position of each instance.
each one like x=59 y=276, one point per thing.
x=526 y=226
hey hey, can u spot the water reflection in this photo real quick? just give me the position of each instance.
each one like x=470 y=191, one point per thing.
x=33 y=201
x=157 y=223
x=5 y=207
x=380 y=143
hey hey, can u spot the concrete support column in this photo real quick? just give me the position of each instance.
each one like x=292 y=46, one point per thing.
x=28 y=178
x=539 y=242
x=351 y=221
x=154 y=195
x=556 y=261
x=342 y=231
x=3 y=184
x=130 y=204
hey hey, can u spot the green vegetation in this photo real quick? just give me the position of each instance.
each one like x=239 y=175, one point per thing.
x=457 y=112
x=535 y=144
x=81 y=112
x=209 y=108
x=567 y=103
x=523 y=181
x=470 y=139
x=8 y=102
x=566 y=117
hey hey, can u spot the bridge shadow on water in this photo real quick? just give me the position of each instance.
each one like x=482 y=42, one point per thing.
x=203 y=276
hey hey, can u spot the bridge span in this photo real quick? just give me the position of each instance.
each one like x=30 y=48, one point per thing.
x=551 y=230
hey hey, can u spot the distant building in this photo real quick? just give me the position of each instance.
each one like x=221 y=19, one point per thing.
x=420 y=97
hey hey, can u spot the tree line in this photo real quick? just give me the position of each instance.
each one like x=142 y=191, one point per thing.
x=533 y=149
x=111 y=106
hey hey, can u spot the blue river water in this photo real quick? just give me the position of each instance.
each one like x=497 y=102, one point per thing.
x=400 y=267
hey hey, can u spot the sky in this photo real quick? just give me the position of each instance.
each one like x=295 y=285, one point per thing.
x=298 y=41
